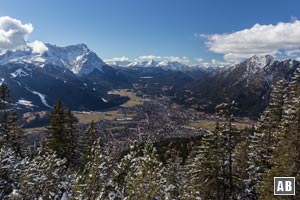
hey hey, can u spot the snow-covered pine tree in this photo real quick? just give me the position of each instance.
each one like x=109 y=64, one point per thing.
x=95 y=180
x=266 y=135
x=206 y=168
x=285 y=157
x=144 y=178
x=88 y=140
x=174 y=176
x=45 y=178
x=229 y=134
x=11 y=167
x=122 y=168
x=241 y=161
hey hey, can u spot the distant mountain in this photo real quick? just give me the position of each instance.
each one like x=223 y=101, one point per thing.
x=74 y=74
x=77 y=58
x=194 y=71
x=248 y=83
x=165 y=64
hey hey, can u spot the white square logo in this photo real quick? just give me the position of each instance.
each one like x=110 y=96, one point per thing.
x=284 y=185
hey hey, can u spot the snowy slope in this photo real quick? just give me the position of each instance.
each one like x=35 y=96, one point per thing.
x=73 y=74
x=249 y=83
x=77 y=58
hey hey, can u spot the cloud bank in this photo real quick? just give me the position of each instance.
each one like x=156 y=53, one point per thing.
x=257 y=40
x=182 y=59
x=14 y=35
x=149 y=57
x=116 y=59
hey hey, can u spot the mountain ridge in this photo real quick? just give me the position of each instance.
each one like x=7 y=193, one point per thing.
x=74 y=74
x=164 y=64
x=77 y=58
x=249 y=83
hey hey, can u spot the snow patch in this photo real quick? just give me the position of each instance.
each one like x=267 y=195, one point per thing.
x=2 y=81
x=104 y=100
x=19 y=73
x=42 y=97
x=25 y=103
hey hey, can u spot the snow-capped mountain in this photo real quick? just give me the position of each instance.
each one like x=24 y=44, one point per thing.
x=74 y=74
x=165 y=64
x=260 y=61
x=248 y=83
x=79 y=59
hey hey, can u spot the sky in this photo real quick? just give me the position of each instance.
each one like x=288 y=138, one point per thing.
x=206 y=32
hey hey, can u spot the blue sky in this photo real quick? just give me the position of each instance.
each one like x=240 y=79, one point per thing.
x=177 y=28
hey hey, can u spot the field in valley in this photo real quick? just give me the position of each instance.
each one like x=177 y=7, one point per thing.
x=134 y=100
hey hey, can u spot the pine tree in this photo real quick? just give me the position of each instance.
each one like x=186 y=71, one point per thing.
x=4 y=114
x=122 y=168
x=88 y=141
x=242 y=166
x=207 y=168
x=285 y=157
x=173 y=175
x=45 y=178
x=229 y=134
x=57 y=137
x=8 y=160
x=267 y=135
x=144 y=180
x=62 y=139
x=15 y=134
x=94 y=182
x=71 y=143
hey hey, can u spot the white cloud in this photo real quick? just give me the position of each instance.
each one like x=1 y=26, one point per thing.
x=14 y=34
x=149 y=57
x=116 y=59
x=200 y=60
x=215 y=62
x=38 y=47
x=258 y=40
x=182 y=59
x=293 y=52
x=206 y=64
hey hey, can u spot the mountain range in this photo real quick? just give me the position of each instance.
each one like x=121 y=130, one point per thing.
x=81 y=79
x=164 y=64
x=74 y=74
x=249 y=83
